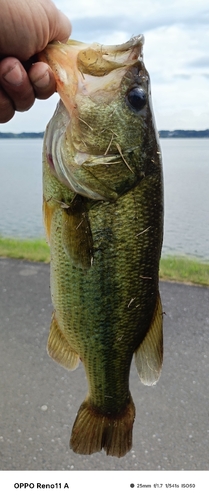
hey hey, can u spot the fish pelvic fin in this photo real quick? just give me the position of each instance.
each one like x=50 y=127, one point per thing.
x=59 y=349
x=93 y=431
x=149 y=355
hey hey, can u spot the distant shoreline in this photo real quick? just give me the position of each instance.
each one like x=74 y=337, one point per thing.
x=164 y=134
x=23 y=135
x=184 y=134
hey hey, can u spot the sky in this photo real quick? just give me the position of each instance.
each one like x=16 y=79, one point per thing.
x=175 y=54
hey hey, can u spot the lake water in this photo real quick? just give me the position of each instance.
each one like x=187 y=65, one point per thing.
x=186 y=185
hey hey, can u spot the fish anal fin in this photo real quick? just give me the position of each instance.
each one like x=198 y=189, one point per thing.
x=149 y=355
x=93 y=431
x=59 y=349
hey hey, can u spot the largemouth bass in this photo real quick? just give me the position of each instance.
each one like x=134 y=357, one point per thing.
x=103 y=212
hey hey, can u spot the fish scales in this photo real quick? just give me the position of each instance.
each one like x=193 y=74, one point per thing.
x=105 y=250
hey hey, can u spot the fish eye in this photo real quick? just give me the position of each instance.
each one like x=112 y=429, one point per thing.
x=137 y=98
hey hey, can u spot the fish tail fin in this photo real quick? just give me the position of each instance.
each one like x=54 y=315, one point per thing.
x=93 y=431
x=59 y=349
x=149 y=355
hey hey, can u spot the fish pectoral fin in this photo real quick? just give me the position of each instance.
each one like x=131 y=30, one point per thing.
x=76 y=234
x=149 y=355
x=47 y=216
x=59 y=349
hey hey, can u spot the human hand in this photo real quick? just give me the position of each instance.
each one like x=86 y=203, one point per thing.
x=27 y=26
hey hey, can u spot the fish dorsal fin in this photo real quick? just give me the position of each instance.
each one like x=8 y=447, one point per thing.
x=59 y=349
x=149 y=355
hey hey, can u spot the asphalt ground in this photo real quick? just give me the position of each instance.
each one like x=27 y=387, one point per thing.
x=39 y=399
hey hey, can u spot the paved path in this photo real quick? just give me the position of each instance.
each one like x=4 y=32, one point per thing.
x=39 y=399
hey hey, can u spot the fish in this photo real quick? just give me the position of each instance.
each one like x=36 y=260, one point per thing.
x=103 y=215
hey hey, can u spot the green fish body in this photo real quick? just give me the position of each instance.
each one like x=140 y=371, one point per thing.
x=103 y=212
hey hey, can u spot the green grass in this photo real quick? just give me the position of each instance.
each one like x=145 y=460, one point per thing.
x=184 y=269
x=172 y=268
x=34 y=250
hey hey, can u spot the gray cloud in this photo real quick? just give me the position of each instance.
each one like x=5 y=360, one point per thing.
x=92 y=27
x=201 y=62
x=182 y=76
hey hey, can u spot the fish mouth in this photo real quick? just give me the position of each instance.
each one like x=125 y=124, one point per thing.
x=75 y=63
x=78 y=68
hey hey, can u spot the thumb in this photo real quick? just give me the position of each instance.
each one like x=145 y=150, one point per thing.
x=60 y=28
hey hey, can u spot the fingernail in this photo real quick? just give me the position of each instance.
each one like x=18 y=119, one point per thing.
x=14 y=76
x=44 y=81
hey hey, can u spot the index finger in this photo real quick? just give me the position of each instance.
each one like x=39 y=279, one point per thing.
x=15 y=82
